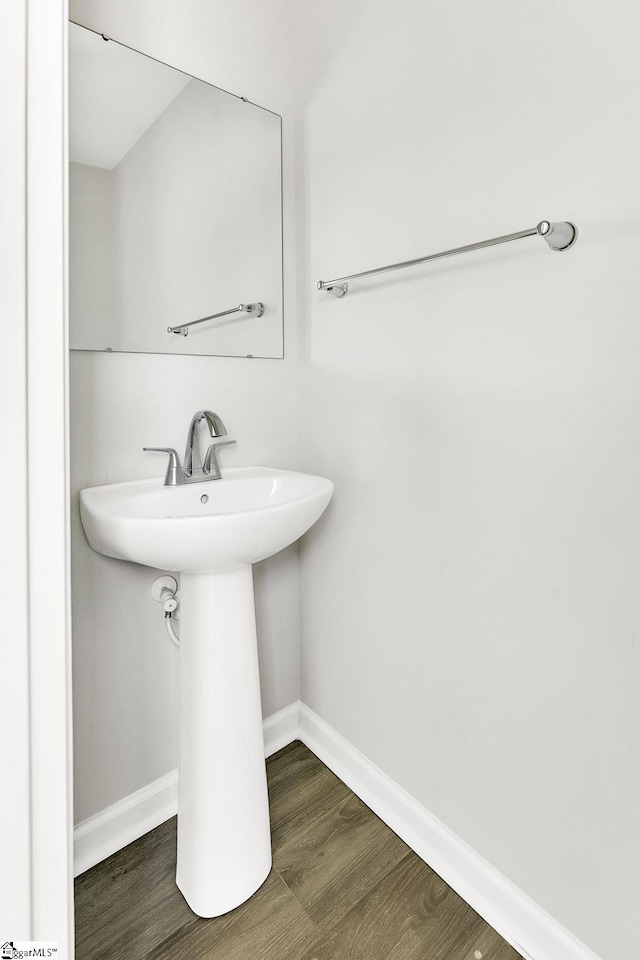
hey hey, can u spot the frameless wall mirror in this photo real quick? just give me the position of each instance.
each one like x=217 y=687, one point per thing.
x=175 y=210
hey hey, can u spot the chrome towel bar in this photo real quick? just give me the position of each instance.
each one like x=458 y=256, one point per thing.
x=256 y=308
x=559 y=236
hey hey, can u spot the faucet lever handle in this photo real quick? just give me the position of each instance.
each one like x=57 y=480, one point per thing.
x=174 y=474
x=210 y=464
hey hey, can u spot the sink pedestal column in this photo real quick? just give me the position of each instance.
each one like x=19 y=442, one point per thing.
x=224 y=843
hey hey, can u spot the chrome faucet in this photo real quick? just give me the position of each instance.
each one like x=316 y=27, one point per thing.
x=192 y=470
x=217 y=428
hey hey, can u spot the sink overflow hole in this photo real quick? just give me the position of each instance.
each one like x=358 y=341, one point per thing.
x=204 y=498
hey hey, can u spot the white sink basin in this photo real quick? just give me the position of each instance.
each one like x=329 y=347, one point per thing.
x=251 y=513
x=224 y=846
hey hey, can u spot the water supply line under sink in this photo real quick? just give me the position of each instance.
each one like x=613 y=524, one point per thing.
x=164 y=590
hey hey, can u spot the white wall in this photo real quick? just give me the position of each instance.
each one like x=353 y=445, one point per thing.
x=124 y=667
x=470 y=600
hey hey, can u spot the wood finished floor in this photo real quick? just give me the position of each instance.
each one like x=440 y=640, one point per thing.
x=343 y=887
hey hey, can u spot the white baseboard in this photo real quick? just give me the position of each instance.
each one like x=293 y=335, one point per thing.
x=281 y=728
x=123 y=822
x=112 y=829
x=525 y=925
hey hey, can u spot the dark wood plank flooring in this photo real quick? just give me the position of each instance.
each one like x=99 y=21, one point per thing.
x=343 y=887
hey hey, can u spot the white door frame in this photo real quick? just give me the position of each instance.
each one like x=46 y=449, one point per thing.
x=47 y=433
x=15 y=826
x=37 y=824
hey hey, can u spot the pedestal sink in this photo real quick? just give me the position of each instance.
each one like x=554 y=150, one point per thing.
x=212 y=532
